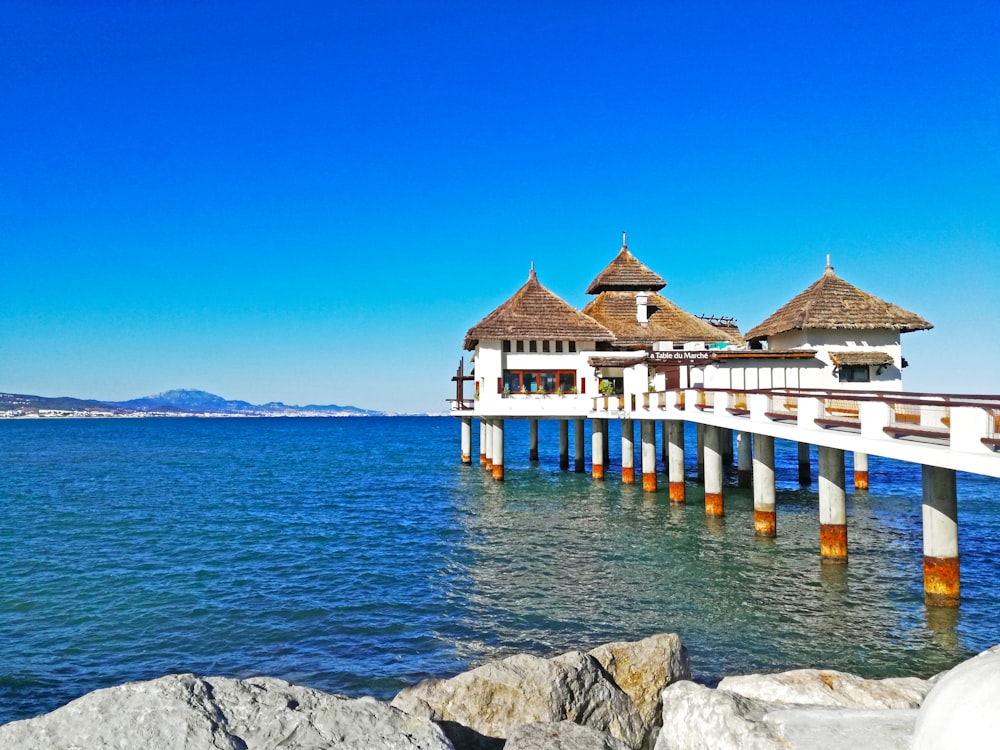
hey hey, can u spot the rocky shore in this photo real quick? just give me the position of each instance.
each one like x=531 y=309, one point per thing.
x=620 y=696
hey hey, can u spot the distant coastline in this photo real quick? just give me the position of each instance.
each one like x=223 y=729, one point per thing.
x=175 y=403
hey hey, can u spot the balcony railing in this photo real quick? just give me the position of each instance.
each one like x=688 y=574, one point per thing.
x=781 y=406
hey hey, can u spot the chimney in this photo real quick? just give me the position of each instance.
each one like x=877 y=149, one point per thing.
x=641 y=301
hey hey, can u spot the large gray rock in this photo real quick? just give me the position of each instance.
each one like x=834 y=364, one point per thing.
x=495 y=698
x=564 y=735
x=644 y=668
x=185 y=712
x=829 y=688
x=697 y=718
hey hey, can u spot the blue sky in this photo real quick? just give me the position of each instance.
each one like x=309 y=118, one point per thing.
x=312 y=202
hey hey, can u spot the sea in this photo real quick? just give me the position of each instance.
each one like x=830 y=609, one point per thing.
x=358 y=556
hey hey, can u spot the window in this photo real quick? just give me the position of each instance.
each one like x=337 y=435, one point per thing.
x=547 y=381
x=545 y=346
x=854 y=373
x=558 y=347
x=532 y=346
x=520 y=346
x=572 y=346
x=506 y=346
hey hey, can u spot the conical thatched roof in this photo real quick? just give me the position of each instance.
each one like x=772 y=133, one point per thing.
x=626 y=273
x=831 y=304
x=535 y=313
x=667 y=322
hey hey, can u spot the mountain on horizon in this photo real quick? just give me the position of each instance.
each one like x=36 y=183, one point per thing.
x=178 y=401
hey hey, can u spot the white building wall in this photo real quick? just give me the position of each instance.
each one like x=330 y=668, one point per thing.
x=491 y=362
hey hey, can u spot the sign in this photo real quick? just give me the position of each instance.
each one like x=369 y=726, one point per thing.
x=680 y=357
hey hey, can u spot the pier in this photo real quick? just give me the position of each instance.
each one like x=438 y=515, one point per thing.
x=824 y=370
x=942 y=433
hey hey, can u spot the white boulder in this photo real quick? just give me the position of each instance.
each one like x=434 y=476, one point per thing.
x=963 y=708
x=827 y=687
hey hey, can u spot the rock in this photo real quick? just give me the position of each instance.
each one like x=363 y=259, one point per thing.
x=563 y=735
x=644 y=668
x=699 y=718
x=522 y=689
x=838 y=728
x=190 y=713
x=961 y=711
x=829 y=688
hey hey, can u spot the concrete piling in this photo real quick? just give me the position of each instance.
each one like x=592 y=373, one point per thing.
x=940 y=519
x=860 y=471
x=497 y=466
x=648 y=455
x=628 y=451
x=713 y=471
x=832 y=506
x=764 y=516
x=675 y=459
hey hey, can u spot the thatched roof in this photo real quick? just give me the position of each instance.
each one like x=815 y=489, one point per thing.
x=727 y=326
x=667 y=322
x=875 y=359
x=626 y=273
x=832 y=304
x=535 y=313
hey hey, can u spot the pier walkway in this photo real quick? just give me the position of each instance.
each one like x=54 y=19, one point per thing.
x=941 y=432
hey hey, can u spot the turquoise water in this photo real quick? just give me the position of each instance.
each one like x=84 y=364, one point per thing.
x=358 y=556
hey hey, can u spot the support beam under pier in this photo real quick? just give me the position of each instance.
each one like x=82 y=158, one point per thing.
x=713 y=470
x=744 y=463
x=805 y=471
x=940 y=516
x=498 y=449
x=578 y=440
x=764 y=516
x=597 y=448
x=832 y=506
x=628 y=451
x=648 y=455
x=860 y=471
x=482 y=442
x=675 y=459
x=466 y=441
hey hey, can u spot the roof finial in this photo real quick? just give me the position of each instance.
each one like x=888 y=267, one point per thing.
x=531 y=273
x=623 y=239
x=829 y=268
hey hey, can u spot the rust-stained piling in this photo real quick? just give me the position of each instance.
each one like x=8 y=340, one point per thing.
x=597 y=448
x=675 y=459
x=860 y=471
x=832 y=506
x=942 y=582
x=713 y=471
x=649 y=455
x=628 y=451
x=497 y=466
x=764 y=516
